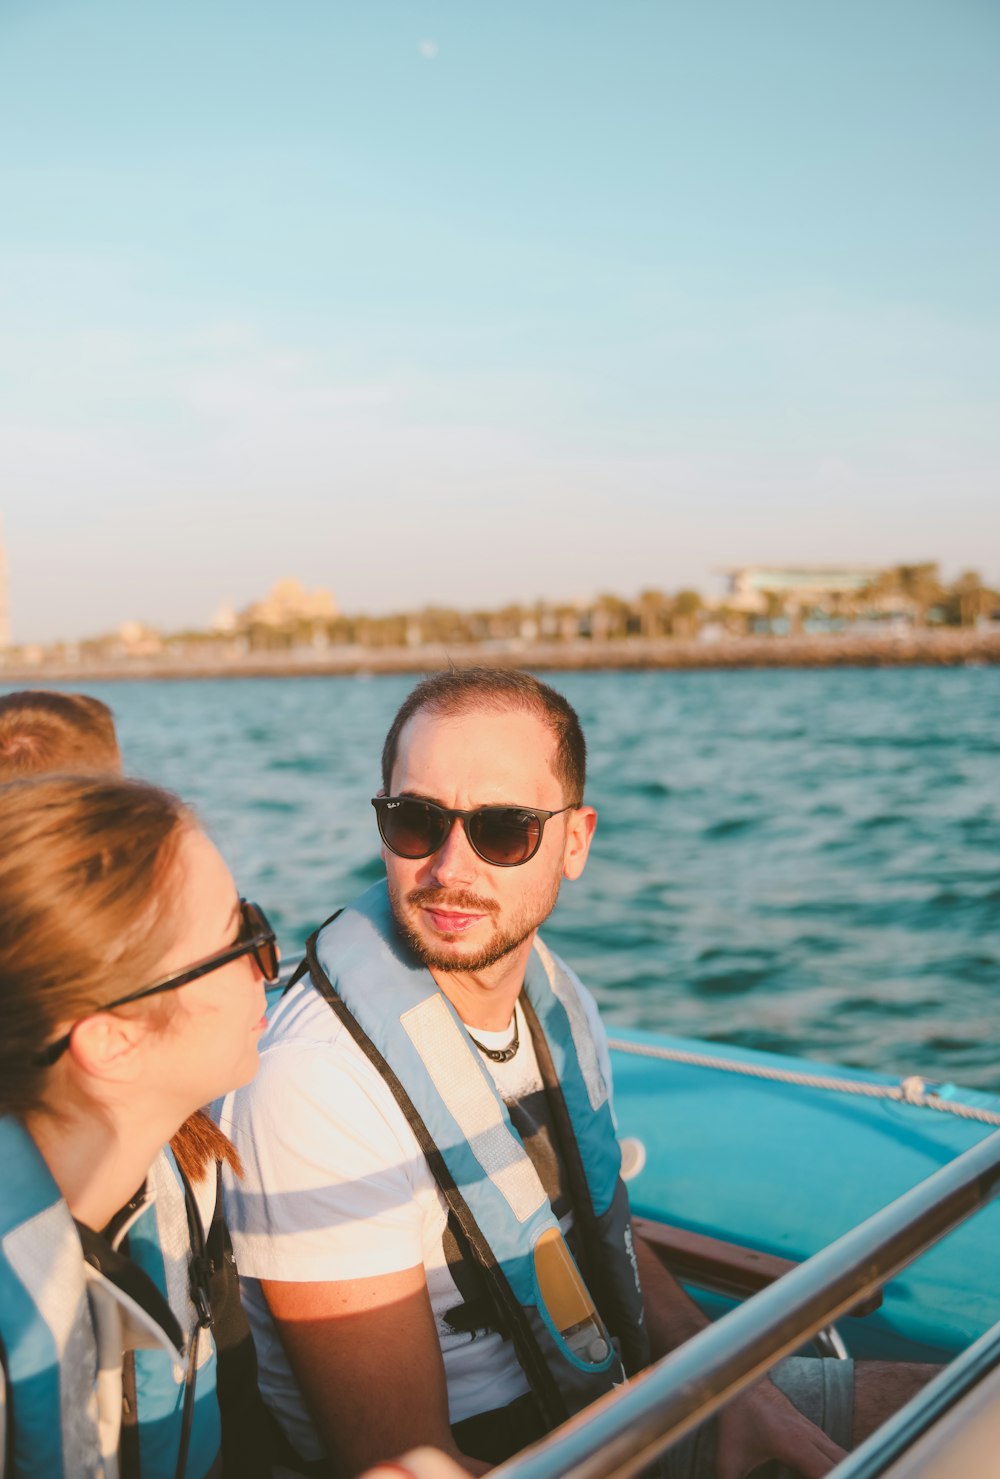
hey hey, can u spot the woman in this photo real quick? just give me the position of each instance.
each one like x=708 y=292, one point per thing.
x=132 y=992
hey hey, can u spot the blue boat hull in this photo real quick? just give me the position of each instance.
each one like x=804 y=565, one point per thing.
x=785 y=1169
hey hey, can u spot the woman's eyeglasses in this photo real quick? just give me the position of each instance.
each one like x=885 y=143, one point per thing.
x=505 y=836
x=256 y=938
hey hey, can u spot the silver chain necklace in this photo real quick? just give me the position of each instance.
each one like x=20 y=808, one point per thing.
x=500 y=1055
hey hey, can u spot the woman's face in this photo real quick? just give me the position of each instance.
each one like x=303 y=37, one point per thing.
x=208 y=1043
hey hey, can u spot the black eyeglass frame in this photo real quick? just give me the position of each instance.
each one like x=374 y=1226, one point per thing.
x=452 y=815
x=263 y=937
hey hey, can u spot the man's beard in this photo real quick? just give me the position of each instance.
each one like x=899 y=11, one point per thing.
x=503 y=941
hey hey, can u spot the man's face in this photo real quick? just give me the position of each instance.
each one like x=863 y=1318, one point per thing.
x=458 y=912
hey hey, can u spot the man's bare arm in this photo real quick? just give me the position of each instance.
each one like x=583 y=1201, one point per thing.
x=671 y=1316
x=365 y=1353
x=760 y=1423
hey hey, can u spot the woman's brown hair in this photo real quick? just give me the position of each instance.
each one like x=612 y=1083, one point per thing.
x=41 y=732
x=88 y=902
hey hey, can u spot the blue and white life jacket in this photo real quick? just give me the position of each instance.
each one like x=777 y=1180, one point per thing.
x=65 y=1327
x=395 y=1012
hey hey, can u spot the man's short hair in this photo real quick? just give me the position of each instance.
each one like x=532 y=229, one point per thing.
x=460 y=690
x=42 y=731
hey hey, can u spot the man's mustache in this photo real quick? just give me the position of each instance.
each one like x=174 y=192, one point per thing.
x=451 y=898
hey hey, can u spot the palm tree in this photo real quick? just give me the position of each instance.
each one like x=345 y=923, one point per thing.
x=442 y=624
x=775 y=608
x=569 y=618
x=610 y=617
x=652 y=609
x=684 y=609
x=915 y=588
x=971 y=599
x=507 y=622
x=921 y=585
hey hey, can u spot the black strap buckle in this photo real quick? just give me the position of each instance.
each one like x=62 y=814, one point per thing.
x=199 y=1271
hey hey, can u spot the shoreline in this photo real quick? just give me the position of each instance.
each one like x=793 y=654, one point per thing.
x=952 y=647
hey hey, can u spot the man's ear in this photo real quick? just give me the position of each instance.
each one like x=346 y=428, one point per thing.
x=579 y=832
x=107 y=1047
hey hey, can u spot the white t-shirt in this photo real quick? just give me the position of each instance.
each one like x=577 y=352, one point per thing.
x=337 y=1187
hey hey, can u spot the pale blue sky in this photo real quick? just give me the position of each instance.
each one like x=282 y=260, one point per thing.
x=465 y=302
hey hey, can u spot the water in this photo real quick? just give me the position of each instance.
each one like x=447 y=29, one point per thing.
x=799 y=861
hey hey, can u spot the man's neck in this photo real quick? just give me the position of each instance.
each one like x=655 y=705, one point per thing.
x=486 y=999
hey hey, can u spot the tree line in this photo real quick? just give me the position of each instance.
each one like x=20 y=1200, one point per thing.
x=915 y=594
x=912 y=594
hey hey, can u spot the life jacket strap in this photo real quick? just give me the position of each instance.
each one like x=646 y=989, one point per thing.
x=511 y=1316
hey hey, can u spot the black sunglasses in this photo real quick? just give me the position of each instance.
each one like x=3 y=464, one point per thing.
x=256 y=938
x=505 y=836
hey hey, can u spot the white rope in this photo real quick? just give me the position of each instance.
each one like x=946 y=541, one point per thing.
x=912 y=1090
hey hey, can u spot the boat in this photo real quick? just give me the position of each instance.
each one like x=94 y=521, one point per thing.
x=783 y=1155
x=842 y=1208
x=805 y=1206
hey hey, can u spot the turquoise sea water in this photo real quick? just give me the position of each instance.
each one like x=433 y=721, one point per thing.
x=807 y=862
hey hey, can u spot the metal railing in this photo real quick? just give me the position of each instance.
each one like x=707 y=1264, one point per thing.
x=938 y=1399
x=626 y=1430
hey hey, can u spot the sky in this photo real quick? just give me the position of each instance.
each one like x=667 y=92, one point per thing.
x=466 y=303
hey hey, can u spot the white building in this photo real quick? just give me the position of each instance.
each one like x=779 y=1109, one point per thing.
x=799 y=587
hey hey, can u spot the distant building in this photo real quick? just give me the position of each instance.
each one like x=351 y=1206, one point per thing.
x=137 y=640
x=288 y=603
x=798 y=587
x=225 y=621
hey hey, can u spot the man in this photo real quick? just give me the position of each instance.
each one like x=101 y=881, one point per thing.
x=431 y=1129
x=42 y=731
